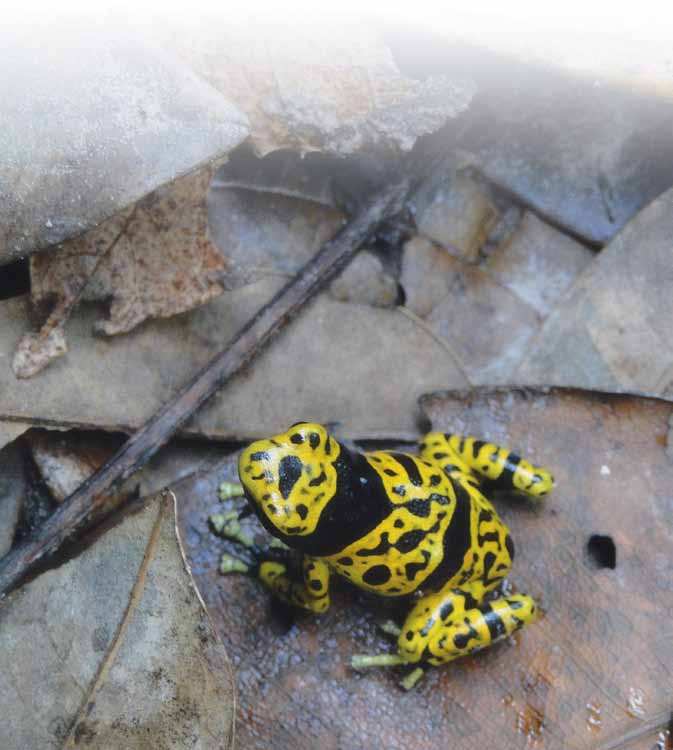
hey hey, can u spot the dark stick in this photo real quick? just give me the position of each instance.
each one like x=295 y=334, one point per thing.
x=241 y=350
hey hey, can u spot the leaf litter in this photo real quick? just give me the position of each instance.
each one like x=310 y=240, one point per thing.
x=486 y=315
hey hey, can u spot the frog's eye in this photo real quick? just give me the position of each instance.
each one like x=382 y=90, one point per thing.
x=297 y=438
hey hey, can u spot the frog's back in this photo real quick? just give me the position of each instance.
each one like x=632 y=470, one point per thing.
x=431 y=530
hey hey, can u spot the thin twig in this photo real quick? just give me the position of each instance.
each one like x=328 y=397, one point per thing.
x=240 y=351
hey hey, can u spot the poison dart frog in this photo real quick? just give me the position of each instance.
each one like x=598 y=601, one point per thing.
x=395 y=524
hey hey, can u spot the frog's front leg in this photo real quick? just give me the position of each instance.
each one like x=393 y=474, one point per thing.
x=502 y=467
x=312 y=593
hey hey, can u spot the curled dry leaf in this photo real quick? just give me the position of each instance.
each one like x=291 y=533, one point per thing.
x=114 y=649
x=613 y=329
x=605 y=635
x=154 y=259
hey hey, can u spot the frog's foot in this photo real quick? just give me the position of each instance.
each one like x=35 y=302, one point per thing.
x=228 y=526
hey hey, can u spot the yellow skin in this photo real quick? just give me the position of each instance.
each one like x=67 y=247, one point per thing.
x=395 y=524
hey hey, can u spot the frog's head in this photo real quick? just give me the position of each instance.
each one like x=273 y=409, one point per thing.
x=290 y=478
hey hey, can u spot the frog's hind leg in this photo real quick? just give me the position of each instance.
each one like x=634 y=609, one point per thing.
x=445 y=626
x=503 y=468
x=452 y=623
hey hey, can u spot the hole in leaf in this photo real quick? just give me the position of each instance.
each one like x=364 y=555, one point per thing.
x=602 y=551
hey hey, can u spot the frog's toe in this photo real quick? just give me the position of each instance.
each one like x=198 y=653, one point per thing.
x=231 y=564
x=227 y=490
x=227 y=525
x=389 y=627
x=366 y=661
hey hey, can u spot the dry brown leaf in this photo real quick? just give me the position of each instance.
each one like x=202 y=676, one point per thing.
x=594 y=672
x=364 y=280
x=66 y=460
x=114 y=649
x=613 y=329
x=489 y=315
x=154 y=259
x=538 y=263
x=322 y=361
x=310 y=85
x=587 y=157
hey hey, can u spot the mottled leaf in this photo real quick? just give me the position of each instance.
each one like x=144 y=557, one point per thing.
x=153 y=260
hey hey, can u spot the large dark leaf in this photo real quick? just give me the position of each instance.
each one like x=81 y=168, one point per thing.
x=593 y=672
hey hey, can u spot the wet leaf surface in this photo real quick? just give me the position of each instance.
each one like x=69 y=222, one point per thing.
x=595 y=670
x=134 y=663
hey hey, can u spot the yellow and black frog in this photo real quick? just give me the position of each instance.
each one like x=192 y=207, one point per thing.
x=395 y=524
